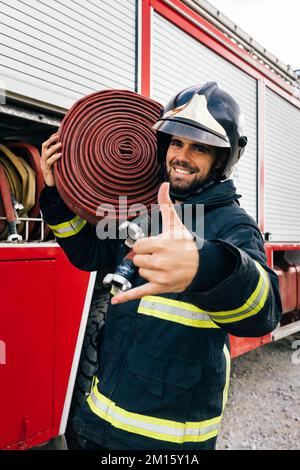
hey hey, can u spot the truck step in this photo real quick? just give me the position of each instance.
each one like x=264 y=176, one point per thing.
x=286 y=330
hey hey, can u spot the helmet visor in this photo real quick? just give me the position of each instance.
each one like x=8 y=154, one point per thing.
x=188 y=131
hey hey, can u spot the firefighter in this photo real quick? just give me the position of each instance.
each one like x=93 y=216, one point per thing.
x=164 y=368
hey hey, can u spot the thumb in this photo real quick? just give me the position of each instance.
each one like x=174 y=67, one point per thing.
x=170 y=218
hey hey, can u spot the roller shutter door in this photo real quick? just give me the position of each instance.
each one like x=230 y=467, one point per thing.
x=282 y=169
x=61 y=50
x=179 y=61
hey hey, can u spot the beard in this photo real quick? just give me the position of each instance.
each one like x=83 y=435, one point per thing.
x=183 y=188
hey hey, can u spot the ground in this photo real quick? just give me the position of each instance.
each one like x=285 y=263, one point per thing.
x=263 y=409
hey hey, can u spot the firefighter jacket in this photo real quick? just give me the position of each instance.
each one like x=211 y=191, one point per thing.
x=164 y=363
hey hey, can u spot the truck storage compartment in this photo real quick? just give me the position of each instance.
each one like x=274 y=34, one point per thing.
x=22 y=131
x=289 y=288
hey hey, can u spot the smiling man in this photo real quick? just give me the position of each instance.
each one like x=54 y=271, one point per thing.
x=189 y=164
x=163 y=376
x=200 y=135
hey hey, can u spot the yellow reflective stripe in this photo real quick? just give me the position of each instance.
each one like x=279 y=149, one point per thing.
x=253 y=296
x=176 y=319
x=252 y=306
x=175 y=311
x=225 y=391
x=69 y=228
x=151 y=434
x=161 y=429
x=173 y=303
x=190 y=315
x=148 y=433
x=72 y=232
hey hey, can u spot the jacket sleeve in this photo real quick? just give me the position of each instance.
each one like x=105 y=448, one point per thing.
x=234 y=285
x=77 y=238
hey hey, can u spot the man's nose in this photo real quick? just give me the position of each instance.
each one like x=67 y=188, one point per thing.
x=183 y=153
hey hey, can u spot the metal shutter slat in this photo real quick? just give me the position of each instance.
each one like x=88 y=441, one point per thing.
x=77 y=52
x=282 y=143
x=186 y=62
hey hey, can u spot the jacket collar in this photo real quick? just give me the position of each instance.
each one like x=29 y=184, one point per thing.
x=219 y=193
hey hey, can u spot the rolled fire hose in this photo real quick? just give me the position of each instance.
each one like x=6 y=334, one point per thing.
x=109 y=150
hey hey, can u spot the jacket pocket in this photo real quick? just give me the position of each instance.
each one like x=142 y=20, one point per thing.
x=157 y=385
x=157 y=367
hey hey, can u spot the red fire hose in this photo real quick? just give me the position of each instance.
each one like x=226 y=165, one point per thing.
x=31 y=154
x=21 y=182
x=6 y=202
x=109 y=150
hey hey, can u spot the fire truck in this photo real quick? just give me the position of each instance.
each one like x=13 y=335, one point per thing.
x=52 y=54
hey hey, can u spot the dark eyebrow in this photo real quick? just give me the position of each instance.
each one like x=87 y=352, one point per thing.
x=175 y=139
x=200 y=145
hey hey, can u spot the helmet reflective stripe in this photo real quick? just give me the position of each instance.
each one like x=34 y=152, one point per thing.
x=197 y=113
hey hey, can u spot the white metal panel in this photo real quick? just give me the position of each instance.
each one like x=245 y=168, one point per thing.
x=61 y=50
x=180 y=61
x=282 y=169
x=77 y=352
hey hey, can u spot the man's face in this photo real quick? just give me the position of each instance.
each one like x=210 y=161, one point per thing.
x=188 y=163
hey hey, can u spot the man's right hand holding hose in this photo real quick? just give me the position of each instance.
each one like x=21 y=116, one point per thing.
x=50 y=154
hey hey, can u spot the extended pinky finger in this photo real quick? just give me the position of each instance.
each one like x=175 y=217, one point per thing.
x=136 y=293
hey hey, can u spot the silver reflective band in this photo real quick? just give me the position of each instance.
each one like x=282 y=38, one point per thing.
x=69 y=228
x=176 y=311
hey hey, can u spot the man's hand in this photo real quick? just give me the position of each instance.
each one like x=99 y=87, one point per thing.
x=170 y=261
x=50 y=155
